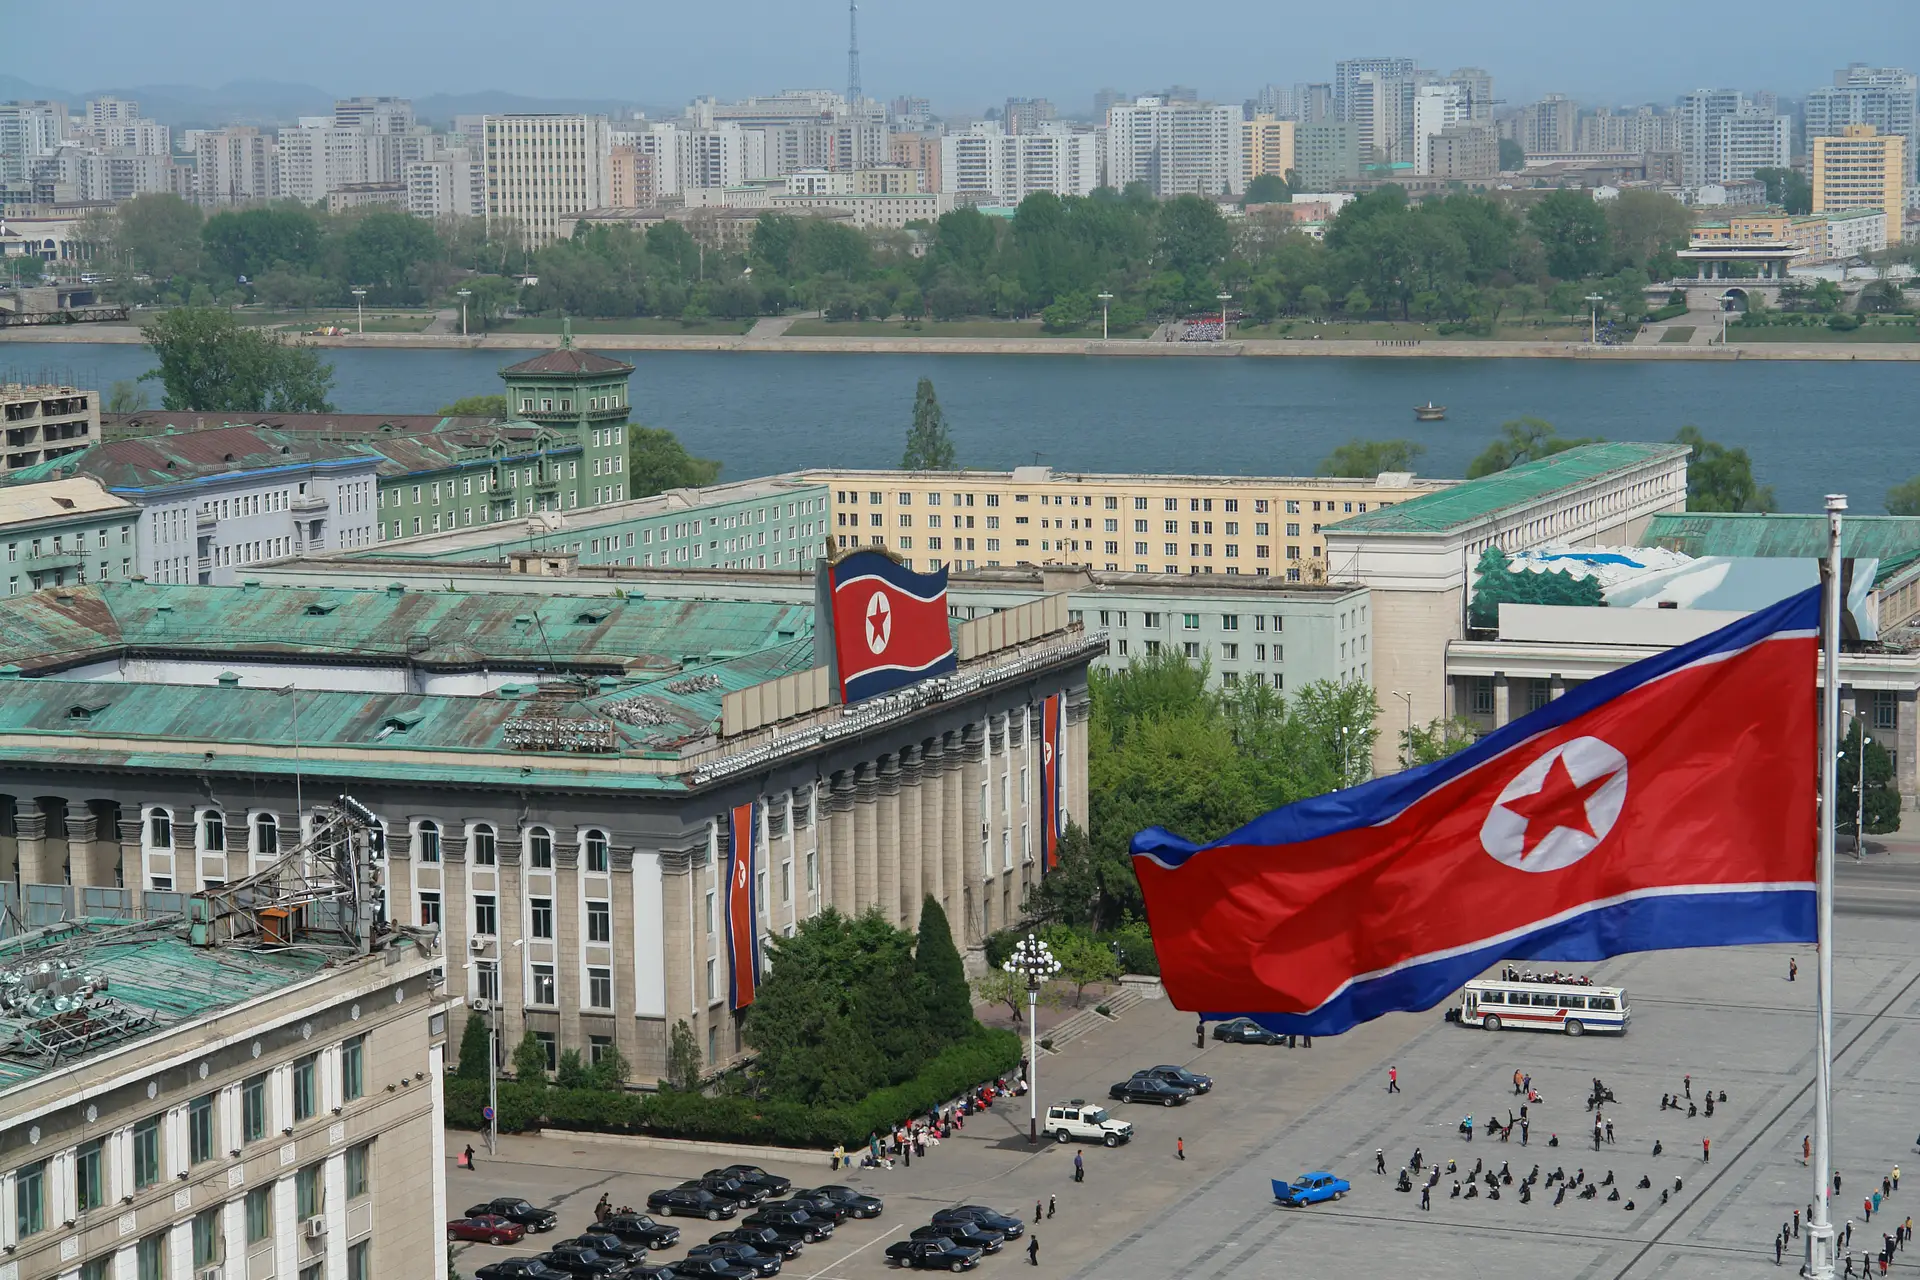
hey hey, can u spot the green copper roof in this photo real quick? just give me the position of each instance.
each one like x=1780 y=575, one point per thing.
x=1464 y=504
x=1892 y=540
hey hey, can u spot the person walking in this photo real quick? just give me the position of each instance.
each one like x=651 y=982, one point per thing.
x=466 y=1158
x=1200 y=1034
x=1706 y=1149
x=1806 y=1150
x=1036 y=1211
x=1686 y=1082
x=1393 y=1079
x=1050 y=1206
x=1793 y=968
x=1523 y=1131
x=1896 y=1177
x=1426 y=1196
x=839 y=1156
x=1516 y=1080
x=1033 y=1251
x=1180 y=1149
x=1778 y=1245
x=1079 y=1168
x=1379 y=1160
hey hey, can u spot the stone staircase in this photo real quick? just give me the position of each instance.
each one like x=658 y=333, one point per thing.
x=1117 y=1002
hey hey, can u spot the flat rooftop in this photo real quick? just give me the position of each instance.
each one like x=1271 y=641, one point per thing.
x=1047 y=475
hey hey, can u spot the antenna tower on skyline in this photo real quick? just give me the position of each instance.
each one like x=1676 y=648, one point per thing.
x=853 y=54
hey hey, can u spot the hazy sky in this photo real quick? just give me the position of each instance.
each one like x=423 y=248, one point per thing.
x=964 y=56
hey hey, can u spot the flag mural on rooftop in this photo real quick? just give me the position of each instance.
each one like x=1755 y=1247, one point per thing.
x=743 y=911
x=1668 y=804
x=889 y=624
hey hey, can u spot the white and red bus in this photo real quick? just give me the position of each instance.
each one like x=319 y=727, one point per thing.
x=1568 y=1006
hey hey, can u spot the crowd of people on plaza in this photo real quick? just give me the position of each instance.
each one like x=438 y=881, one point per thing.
x=910 y=1139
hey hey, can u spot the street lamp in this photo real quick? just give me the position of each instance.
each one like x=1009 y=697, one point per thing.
x=464 y=295
x=1593 y=312
x=1033 y=960
x=360 y=306
x=1224 y=299
x=1407 y=755
x=484 y=1008
x=1860 y=792
x=1727 y=300
x=1105 y=298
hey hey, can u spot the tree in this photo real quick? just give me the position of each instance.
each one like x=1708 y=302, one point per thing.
x=1787 y=188
x=1883 y=798
x=684 y=1067
x=1435 y=740
x=1083 y=959
x=1001 y=987
x=572 y=1073
x=530 y=1060
x=159 y=235
x=1364 y=459
x=1719 y=478
x=929 y=445
x=473 y=1049
x=1904 y=499
x=949 y=1009
x=1513 y=156
x=1572 y=229
x=1522 y=440
x=657 y=461
x=126 y=396
x=1642 y=222
x=1194 y=238
x=1084 y=887
x=610 y=1072
x=1267 y=188
x=209 y=362
x=494 y=406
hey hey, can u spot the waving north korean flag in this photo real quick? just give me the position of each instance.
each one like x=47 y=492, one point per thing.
x=889 y=624
x=1670 y=803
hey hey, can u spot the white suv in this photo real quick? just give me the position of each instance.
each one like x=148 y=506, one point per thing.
x=1083 y=1121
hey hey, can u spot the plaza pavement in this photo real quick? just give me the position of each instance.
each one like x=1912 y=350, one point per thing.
x=1727 y=1016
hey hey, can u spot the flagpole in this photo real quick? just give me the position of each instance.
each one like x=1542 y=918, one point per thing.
x=1820 y=1254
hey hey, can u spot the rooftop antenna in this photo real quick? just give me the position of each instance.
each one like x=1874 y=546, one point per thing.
x=853 y=54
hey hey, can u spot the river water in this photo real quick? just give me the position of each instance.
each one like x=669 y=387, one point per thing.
x=1812 y=428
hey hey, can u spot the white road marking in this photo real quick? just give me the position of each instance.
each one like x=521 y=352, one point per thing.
x=843 y=1257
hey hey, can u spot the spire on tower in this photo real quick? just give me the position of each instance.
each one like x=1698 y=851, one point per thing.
x=853 y=54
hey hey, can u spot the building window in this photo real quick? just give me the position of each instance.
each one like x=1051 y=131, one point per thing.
x=427 y=840
x=486 y=849
x=259 y=1214
x=710 y=916
x=146 y=1153
x=599 y=987
x=306 y=1098
x=486 y=915
x=253 y=1109
x=545 y=989
x=308 y=1195
x=596 y=851
x=430 y=909
x=360 y=1261
x=1482 y=695
x=713 y=980
x=541 y=912
x=266 y=834
x=598 y=1047
x=1886 y=708
x=599 y=922
x=213 y=831
x=89 y=1190
x=357 y=1161
x=200 y=1130
x=548 y=1042
x=150 y=1257
x=540 y=849
x=353 y=1069
x=487 y=975
x=207 y=1238
x=30 y=1192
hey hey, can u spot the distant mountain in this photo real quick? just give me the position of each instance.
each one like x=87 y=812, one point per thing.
x=267 y=102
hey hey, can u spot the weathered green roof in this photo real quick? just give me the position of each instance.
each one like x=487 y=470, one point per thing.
x=157 y=461
x=152 y=971
x=1892 y=540
x=1464 y=504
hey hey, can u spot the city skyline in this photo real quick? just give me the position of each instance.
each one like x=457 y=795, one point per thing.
x=433 y=48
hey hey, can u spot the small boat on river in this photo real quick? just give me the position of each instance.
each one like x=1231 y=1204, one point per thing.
x=1430 y=412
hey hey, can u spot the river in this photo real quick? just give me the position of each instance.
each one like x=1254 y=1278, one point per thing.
x=1811 y=428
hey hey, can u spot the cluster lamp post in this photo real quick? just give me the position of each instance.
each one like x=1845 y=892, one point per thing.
x=1033 y=960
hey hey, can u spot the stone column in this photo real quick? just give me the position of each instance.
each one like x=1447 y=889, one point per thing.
x=1556 y=686
x=866 y=842
x=973 y=771
x=569 y=931
x=133 y=874
x=912 y=873
x=239 y=842
x=887 y=828
x=92 y=857
x=953 y=830
x=1079 y=710
x=1906 y=749
x=30 y=829
x=840 y=839
x=683 y=947
x=1501 y=701
x=933 y=820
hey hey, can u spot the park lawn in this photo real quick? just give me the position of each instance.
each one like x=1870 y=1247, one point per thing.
x=1677 y=333
x=1810 y=334
x=811 y=328
x=629 y=324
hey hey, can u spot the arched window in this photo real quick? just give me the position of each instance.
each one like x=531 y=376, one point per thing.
x=485 y=848
x=427 y=839
x=596 y=842
x=213 y=831
x=540 y=849
x=266 y=833
x=160 y=828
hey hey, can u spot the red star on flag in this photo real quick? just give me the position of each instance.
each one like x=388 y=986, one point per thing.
x=877 y=623
x=1560 y=802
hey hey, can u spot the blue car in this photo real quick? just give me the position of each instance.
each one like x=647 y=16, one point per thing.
x=1310 y=1188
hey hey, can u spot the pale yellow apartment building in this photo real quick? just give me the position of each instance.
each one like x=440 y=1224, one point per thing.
x=1862 y=169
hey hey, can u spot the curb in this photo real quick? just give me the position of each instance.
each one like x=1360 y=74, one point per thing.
x=646 y=1142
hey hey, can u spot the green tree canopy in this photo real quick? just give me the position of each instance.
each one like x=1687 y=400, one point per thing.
x=929 y=444
x=209 y=362
x=1882 y=796
x=250 y=242
x=1788 y=188
x=1522 y=440
x=1719 y=478
x=1904 y=498
x=1513 y=157
x=530 y=1060
x=684 y=1063
x=125 y=396
x=1642 y=222
x=949 y=1011
x=1572 y=228
x=1267 y=188
x=473 y=1049
x=489 y=406
x=1364 y=459
x=657 y=461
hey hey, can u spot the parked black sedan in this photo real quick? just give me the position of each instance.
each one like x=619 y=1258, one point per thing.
x=610 y=1245
x=1179 y=1077
x=1245 y=1031
x=820 y=1206
x=754 y=1176
x=789 y=1218
x=1148 y=1089
x=590 y=1264
x=858 y=1203
x=961 y=1231
x=707 y=1267
x=729 y=1189
x=765 y=1239
x=744 y=1256
x=694 y=1202
x=518 y=1269
x=638 y=1228
x=991 y=1219
x=932 y=1255
x=518 y=1210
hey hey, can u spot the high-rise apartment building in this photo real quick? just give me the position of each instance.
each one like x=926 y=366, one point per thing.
x=1463 y=151
x=1377 y=94
x=1476 y=85
x=1884 y=97
x=1174 y=147
x=723 y=156
x=1746 y=143
x=921 y=151
x=630 y=178
x=1547 y=126
x=543 y=169
x=1634 y=132
x=315 y=159
x=1266 y=148
x=233 y=165
x=1326 y=154
x=1863 y=168
x=1024 y=115
x=1699 y=114
x=988 y=165
x=1435 y=107
x=452 y=184
x=29 y=132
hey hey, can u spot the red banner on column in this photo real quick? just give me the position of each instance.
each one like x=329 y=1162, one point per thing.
x=743 y=913
x=1050 y=780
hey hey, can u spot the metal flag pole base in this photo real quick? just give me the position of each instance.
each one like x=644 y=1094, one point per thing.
x=1819 y=1251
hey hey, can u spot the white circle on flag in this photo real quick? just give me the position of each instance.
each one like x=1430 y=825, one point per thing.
x=879 y=622
x=1559 y=808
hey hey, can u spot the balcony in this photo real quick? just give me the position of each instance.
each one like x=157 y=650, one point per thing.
x=308 y=502
x=204 y=518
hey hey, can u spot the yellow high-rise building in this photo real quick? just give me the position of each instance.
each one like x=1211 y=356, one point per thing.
x=1266 y=146
x=1861 y=169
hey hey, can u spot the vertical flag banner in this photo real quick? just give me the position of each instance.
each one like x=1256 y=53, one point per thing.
x=1050 y=781
x=743 y=913
x=889 y=624
x=1668 y=804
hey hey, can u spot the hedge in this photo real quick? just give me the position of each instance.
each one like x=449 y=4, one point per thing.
x=1672 y=311
x=988 y=1054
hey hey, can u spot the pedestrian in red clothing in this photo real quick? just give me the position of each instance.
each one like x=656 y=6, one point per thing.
x=1393 y=1079
x=1180 y=1148
x=1706 y=1148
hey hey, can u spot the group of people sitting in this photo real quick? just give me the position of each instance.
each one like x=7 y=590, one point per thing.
x=1511 y=974
x=910 y=1139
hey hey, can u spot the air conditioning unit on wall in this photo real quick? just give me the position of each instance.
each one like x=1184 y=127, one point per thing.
x=316 y=1227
